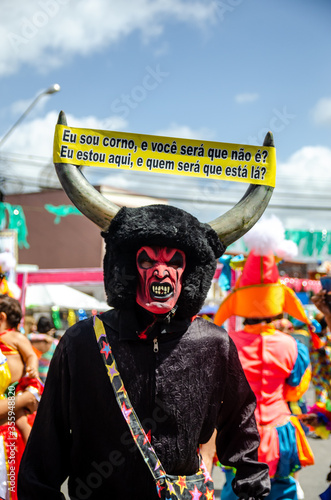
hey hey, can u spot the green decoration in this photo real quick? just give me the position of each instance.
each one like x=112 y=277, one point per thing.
x=16 y=221
x=3 y=215
x=310 y=243
x=56 y=318
x=61 y=211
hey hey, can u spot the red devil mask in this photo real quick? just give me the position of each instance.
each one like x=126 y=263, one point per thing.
x=160 y=278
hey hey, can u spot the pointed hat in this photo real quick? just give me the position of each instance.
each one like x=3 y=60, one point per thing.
x=258 y=292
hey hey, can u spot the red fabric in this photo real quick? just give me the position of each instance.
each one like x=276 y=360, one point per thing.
x=268 y=451
x=317 y=342
x=14 y=448
x=268 y=357
x=259 y=269
x=63 y=276
x=32 y=382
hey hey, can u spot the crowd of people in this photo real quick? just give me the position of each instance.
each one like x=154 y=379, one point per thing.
x=25 y=359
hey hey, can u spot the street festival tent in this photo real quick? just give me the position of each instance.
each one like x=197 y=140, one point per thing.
x=41 y=296
x=51 y=295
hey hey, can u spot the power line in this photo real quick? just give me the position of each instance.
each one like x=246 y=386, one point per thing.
x=200 y=198
x=178 y=185
x=17 y=157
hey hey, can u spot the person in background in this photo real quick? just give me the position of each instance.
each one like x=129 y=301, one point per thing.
x=319 y=415
x=22 y=360
x=29 y=324
x=20 y=392
x=321 y=358
x=44 y=344
x=14 y=429
x=298 y=330
x=275 y=364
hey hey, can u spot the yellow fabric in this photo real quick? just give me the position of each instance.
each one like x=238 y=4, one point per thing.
x=4 y=288
x=305 y=453
x=322 y=432
x=7 y=349
x=98 y=328
x=5 y=378
x=295 y=408
x=169 y=161
x=71 y=317
x=295 y=393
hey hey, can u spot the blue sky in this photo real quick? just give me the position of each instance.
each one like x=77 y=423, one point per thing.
x=221 y=70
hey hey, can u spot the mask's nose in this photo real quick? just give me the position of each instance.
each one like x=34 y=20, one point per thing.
x=161 y=272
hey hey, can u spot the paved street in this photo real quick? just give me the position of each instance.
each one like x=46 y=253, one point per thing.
x=312 y=479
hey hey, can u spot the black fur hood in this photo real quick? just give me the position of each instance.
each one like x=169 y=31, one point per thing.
x=159 y=225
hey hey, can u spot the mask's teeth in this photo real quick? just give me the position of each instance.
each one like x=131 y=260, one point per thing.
x=161 y=289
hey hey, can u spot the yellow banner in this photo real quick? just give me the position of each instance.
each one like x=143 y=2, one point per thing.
x=150 y=153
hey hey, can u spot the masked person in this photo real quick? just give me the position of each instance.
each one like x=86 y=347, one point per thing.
x=276 y=365
x=181 y=373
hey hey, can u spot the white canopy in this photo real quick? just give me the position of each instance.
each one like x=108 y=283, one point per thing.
x=62 y=296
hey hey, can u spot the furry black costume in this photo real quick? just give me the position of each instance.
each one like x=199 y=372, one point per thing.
x=190 y=375
x=194 y=374
x=160 y=225
x=193 y=384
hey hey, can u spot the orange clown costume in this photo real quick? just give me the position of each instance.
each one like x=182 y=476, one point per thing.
x=276 y=366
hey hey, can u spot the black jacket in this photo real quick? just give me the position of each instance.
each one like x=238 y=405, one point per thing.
x=192 y=384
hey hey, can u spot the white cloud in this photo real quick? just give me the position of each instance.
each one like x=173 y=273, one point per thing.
x=321 y=112
x=308 y=167
x=186 y=132
x=47 y=33
x=246 y=97
x=302 y=192
x=27 y=154
x=36 y=136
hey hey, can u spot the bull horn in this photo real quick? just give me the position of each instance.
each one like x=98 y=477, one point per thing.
x=242 y=217
x=83 y=195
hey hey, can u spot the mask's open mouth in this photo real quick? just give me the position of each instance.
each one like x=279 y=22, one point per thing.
x=161 y=291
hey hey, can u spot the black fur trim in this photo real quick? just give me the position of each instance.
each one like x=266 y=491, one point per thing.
x=159 y=225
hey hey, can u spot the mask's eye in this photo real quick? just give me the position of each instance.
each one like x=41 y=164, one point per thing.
x=176 y=261
x=144 y=261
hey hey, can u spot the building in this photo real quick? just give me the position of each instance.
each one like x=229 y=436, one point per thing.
x=60 y=238
x=69 y=240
